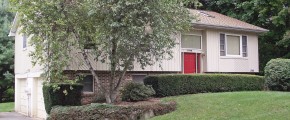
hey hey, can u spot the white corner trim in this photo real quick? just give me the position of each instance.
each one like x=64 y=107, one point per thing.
x=28 y=75
x=11 y=34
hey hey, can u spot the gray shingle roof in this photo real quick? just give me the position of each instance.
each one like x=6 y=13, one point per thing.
x=212 y=19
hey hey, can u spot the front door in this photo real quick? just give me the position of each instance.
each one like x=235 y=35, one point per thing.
x=191 y=63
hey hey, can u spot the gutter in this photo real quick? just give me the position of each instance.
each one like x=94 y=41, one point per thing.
x=229 y=28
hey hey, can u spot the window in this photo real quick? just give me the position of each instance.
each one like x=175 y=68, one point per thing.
x=245 y=46
x=24 y=40
x=222 y=45
x=233 y=45
x=191 y=41
x=138 y=78
x=88 y=83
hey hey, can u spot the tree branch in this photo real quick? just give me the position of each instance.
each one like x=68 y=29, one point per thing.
x=88 y=63
x=123 y=74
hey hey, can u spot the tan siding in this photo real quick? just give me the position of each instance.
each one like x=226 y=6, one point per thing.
x=218 y=63
x=253 y=52
x=204 y=50
x=173 y=64
x=22 y=60
x=167 y=65
x=212 y=51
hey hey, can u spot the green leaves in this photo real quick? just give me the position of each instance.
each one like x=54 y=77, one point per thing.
x=277 y=74
x=6 y=49
x=121 y=33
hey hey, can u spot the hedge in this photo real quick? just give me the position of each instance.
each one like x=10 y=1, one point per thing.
x=110 y=112
x=58 y=97
x=277 y=74
x=171 y=85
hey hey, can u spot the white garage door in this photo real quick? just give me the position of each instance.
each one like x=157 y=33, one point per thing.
x=23 y=96
x=40 y=110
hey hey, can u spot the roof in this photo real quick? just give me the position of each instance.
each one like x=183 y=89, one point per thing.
x=14 y=25
x=210 y=19
x=205 y=19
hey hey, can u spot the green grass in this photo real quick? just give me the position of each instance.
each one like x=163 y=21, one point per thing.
x=230 y=105
x=7 y=107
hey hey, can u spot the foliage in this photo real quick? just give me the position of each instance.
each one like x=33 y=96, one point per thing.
x=273 y=15
x=66 y=94
x=136 y=92
x=230 y=106
x=171 y=85
x=7 y=107
x=104 y=111
x=8 y=95
x=277 y=74
x=118 y=32
x=6 y=50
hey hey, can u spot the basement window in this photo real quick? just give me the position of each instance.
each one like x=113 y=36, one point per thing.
x=138 y=78
x=88 y=83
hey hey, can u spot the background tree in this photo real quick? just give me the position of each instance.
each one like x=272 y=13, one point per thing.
x=273 y=15
x=118 y=32
x=6 y=50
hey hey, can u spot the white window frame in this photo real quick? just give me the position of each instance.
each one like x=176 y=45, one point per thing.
x=226 y=45
x=191 y=48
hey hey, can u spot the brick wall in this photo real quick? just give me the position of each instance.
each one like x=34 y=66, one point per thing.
x=90 y=97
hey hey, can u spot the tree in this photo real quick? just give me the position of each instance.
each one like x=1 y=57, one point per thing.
x=273 y=15
x=118 y=33
x=6 y=50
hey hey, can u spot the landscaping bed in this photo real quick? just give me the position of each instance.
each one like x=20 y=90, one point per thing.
x=121 y=111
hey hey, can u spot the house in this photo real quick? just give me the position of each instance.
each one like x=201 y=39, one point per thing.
x=216 y=43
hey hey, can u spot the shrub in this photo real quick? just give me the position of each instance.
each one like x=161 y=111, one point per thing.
x=8 y=95
x=171 y=85
x=66 y=94
x=110 y=112
x=277 y=74
x=136 y=92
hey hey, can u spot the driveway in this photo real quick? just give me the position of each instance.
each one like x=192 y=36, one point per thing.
x=13 y=116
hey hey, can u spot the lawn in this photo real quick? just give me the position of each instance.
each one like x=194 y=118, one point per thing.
x=7 y=107
x=230 y=105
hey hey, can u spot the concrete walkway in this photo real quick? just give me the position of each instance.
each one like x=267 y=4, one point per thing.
x=13 y=116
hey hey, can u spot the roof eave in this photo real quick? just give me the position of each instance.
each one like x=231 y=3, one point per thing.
x=14 y=26
x=230 y=28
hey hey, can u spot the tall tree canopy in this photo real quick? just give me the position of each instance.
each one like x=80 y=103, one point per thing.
x=6 y=49
x=273 y=15
x=118 y=32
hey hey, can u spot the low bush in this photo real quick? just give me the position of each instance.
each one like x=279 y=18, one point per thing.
x=8 y=95
x=136 y=92
x=61 y=94
x=110 y=112
x=171 y=85
x=277 y=74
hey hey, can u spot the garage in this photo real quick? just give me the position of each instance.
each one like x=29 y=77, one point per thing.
x=23 y=103
x=29 y=98
x=40 y=109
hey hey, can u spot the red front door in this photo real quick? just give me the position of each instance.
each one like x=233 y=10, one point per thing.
x=191 y=62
